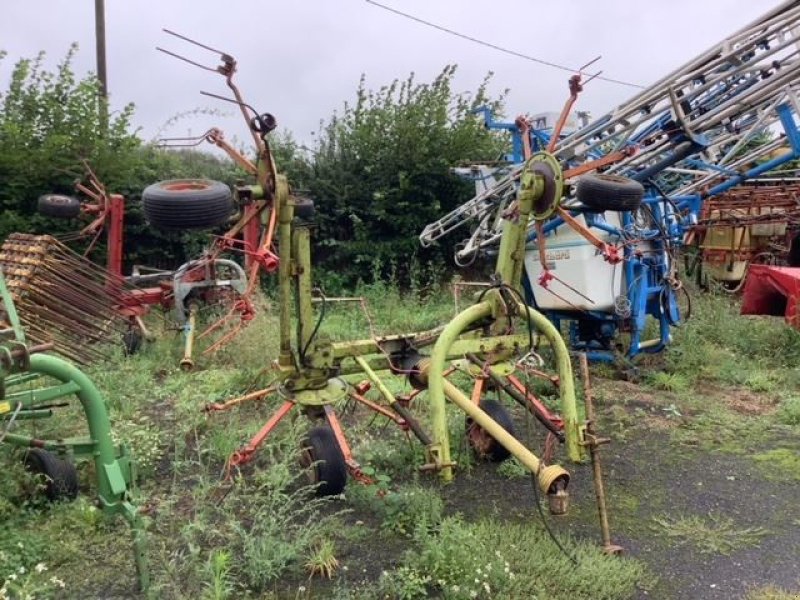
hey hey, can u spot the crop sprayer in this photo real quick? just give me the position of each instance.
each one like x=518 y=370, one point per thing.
x=604 y=262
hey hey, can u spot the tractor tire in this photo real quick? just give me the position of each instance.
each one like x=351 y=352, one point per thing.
x=609 y=192
x=132 y=341
x=304 y=209
x=179 y=204
x=56 y=205
x=322 y=457
x=61 y=477
x=483 y=444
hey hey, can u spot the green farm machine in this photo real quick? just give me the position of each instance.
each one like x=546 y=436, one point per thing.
x=488 y=343
x=33 y=385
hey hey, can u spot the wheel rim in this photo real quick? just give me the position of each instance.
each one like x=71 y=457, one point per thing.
x=59 y=200
x=309 y=465
x=480 y=440
x=185 y=186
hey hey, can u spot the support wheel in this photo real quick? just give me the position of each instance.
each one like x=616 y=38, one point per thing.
x=609 y=192
x=56 y=205
x=179 y=204
x=484 y=445
x=61 y=478
x=322 y=458
x=132 y=341
x=304 y=209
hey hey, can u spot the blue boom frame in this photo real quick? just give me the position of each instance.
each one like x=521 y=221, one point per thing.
x=650 y=291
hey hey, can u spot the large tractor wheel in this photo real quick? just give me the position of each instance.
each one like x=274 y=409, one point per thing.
x=609 y=192
x=187 y=204
x=484 y=445
x=56 y=205
x=61 y=478
x=322 y=457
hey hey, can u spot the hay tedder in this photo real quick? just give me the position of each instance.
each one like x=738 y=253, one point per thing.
x=604 y=260
x=110 y=304
x=492 y=345
x=33 y=386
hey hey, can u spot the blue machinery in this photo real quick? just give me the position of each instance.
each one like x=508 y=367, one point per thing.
x=695 y=133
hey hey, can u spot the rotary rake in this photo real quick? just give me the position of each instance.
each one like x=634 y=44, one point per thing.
x=64 y=298
x=33 y=386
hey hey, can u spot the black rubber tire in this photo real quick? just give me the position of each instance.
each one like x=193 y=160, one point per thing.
x=304 y=209
x=61 y=476
x=609 y=192
x=179 y=204
x=132 y=341
x=56 y=205
x=496 y=452
x=323 y=457
x=793 y=257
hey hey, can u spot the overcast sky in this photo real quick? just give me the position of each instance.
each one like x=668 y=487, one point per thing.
x=300 y=60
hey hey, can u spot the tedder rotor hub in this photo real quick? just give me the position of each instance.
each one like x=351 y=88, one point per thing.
x=552 y=181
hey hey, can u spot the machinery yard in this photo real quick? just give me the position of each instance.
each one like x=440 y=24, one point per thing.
x=701 y=480
x=446 y=352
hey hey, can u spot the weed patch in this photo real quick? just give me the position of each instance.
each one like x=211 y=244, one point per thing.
x=780 y=463
x=713 y=534
x=492 y=559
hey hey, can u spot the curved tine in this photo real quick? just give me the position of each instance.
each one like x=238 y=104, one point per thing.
x=232 y=101
x=196 y=139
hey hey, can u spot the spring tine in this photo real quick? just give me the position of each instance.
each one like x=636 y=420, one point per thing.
x=62 y=297
x=196 y=43
x=184 y=59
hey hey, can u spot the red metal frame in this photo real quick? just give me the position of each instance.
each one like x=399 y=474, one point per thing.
x=773 y=291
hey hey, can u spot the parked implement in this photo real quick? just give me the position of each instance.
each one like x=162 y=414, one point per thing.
x=490 y=340
x=755 y=224
x=33 y=386
x=208 y=282
x=604 y=262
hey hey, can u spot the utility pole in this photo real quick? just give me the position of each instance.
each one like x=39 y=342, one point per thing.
x=102 y=76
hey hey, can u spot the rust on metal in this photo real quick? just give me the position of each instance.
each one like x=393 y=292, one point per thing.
x=63 y=298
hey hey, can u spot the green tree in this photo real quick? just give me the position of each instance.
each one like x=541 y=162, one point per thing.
x=381 y=172
x=50 y=122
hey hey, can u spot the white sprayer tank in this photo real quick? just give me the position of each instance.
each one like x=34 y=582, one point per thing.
x=573 y=260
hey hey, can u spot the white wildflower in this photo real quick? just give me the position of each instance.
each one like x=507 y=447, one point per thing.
x=40 y=567
x=56 y=581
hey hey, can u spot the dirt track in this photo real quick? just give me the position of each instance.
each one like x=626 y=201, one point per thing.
x=648 y=478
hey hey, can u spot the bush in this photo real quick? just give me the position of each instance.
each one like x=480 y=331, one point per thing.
x=381 y=173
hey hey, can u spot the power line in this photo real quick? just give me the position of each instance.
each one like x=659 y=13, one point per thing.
x=495 y=46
